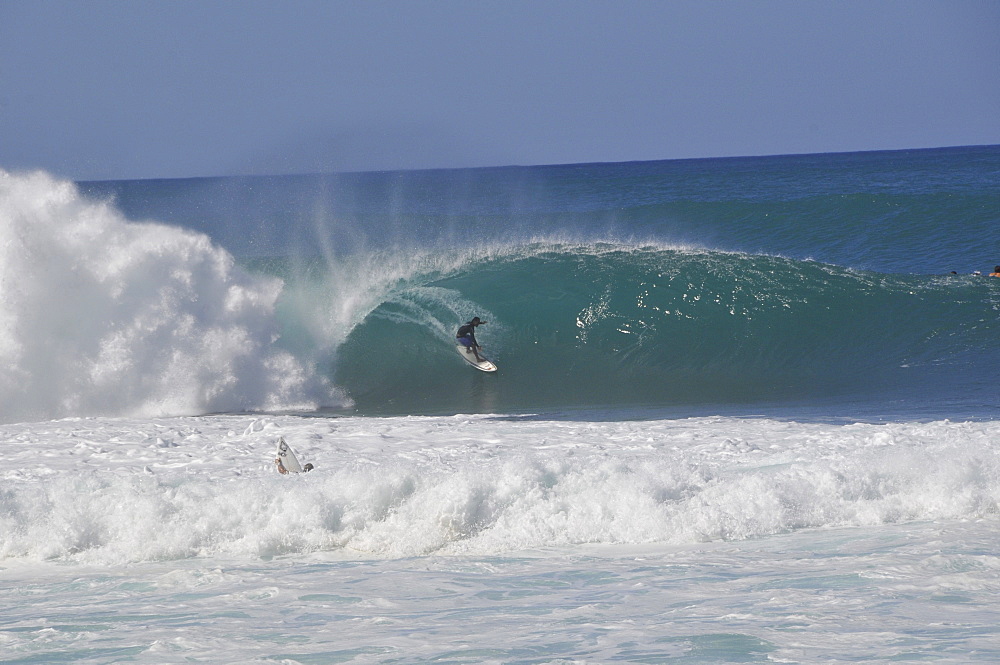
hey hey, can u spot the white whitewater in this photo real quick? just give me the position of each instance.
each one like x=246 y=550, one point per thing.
x=498 y=539
x=102 y=316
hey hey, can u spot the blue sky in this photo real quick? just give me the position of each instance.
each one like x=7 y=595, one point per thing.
x=100 y=89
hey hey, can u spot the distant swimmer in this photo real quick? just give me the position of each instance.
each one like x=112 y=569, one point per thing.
x=996 y=271
x=466 y=336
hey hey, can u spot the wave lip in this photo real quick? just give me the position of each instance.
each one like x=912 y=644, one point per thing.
x=100 y=315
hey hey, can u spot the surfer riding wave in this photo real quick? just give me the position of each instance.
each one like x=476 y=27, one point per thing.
x=466 y=336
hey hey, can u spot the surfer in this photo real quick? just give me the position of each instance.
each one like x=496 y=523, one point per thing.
x=282 y=470
x=466 y=336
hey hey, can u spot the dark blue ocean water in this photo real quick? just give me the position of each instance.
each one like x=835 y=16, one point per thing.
x=816 y=282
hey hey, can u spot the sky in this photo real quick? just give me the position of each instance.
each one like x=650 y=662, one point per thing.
x=113 y=89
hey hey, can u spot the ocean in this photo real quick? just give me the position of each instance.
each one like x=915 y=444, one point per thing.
x=744 y=412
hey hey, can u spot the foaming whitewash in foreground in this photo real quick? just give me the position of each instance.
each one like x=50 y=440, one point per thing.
x=109 y=492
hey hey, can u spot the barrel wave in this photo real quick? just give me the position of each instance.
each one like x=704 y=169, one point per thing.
x=610 y=324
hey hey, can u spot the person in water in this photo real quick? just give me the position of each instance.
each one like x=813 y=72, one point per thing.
x=466 y=336
x=283 y=471
x=996 y=271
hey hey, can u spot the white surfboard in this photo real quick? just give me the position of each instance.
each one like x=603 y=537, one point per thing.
x=287 y=457
x=483 y=365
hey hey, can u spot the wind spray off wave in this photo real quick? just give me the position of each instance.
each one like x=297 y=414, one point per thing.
x=100 y=315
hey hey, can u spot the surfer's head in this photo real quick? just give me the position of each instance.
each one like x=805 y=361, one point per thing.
x=476 y=321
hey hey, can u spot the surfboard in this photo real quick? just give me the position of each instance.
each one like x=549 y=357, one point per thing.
x=287 y=457
x=484 y=365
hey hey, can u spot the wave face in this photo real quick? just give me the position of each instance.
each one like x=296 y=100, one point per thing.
x=99 y=315
x=603 y=324
x=805 y=280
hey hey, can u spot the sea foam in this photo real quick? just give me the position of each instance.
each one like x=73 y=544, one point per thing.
x=101 y=315
x=114 y=491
